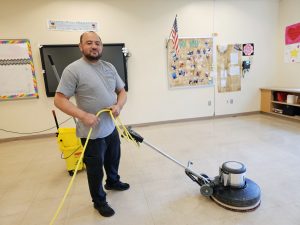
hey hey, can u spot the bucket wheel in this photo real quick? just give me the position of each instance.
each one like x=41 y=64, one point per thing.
x=71 y=172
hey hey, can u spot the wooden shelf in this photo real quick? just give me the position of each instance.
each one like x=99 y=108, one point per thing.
x=290 y=90
x=284 y=103
x=285 y=116
x=269 y=103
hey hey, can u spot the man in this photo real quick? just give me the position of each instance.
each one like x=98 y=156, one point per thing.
x=96 y=85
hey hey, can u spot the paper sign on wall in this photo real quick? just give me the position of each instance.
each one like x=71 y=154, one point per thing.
x=71 y=25
x=292 y=43
x=292 y=34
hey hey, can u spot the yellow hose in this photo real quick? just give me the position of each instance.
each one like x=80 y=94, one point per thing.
x=123 y=130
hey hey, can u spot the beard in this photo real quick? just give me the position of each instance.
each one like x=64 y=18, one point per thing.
x=91 y=57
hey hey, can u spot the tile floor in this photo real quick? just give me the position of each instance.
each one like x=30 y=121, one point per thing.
x=34 y=178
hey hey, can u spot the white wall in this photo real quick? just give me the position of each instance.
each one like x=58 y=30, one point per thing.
x=143 y=26
x=289 y=73
x=248 y=22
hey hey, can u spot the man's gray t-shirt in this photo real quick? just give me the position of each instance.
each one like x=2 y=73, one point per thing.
x=94 y=86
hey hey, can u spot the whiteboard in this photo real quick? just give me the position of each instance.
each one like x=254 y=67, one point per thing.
x=17 y=74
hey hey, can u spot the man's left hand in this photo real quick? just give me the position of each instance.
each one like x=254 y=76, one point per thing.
x=115 y=109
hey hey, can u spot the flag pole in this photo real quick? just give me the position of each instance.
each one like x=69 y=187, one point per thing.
x=170 y=33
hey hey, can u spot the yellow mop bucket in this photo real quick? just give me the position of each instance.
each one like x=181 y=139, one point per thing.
x=71 y=148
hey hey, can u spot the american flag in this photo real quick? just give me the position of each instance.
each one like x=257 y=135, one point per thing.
x=174 y=34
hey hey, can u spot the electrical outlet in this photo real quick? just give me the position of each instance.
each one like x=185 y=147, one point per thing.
x=231 y=101
x=209 y=103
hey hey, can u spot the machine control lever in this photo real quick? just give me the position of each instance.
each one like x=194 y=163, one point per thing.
x=138 y=138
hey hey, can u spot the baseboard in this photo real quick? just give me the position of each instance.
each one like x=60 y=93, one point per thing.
x=29 y=137
x=137 y=125
x=193 y=119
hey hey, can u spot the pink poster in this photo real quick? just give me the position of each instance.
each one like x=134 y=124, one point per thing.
x=292 y=34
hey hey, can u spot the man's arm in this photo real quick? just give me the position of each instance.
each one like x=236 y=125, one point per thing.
x=64 y=104
x=121 y=100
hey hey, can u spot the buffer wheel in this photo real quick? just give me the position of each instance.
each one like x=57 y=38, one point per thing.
x=206 y=190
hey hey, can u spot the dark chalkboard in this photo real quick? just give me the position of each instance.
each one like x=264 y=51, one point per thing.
x=63 y=55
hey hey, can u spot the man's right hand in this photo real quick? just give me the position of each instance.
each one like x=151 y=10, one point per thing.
x=90 y=120
x=64 y=104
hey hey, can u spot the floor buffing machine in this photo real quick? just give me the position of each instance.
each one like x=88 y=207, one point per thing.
x=230 y=189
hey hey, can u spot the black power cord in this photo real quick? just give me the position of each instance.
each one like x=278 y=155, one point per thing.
x=34 y=132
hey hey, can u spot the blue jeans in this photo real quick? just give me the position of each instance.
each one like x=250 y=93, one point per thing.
x=98 y=153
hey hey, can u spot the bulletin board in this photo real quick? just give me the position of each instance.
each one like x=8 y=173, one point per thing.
x=193 y=65
x=229 y=67
x=17 y=74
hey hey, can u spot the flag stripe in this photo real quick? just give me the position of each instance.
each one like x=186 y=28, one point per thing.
x=175 y=36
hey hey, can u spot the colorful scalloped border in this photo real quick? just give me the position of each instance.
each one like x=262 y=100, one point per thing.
x=22 y=95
